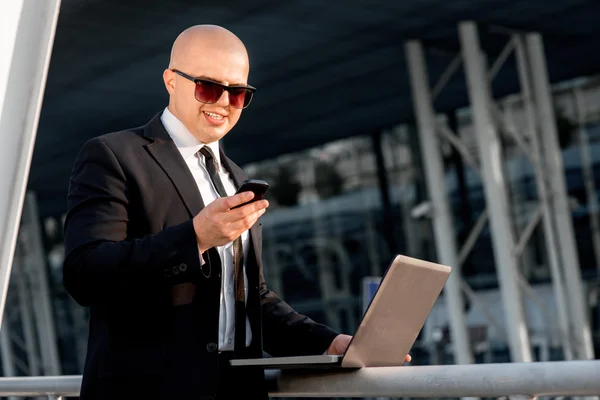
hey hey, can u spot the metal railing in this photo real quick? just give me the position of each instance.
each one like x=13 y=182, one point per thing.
x=561 y=378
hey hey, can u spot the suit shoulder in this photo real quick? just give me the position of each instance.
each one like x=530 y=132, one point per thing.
x=124 y=138
x=120 y=143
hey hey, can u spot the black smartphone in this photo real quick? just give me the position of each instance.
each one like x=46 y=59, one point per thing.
x=257 y=186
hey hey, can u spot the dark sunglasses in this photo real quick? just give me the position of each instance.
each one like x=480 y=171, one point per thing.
x=210 y=92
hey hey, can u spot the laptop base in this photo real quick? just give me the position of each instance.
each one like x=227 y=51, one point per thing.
x=322 y=361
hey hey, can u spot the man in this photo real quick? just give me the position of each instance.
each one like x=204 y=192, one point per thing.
x=153 y=236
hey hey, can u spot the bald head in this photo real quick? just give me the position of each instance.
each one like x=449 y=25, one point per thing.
x=202 y=41
x=211 y=53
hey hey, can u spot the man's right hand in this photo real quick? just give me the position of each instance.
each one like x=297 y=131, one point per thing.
x=217 y=224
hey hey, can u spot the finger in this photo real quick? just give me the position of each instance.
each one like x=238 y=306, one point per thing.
x=243 y=224
x=408 y=358
x=247 y=210
x=252 y=207
x=235 y=200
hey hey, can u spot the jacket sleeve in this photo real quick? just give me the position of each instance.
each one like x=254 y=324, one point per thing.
x=288 y=333
x=102 y=262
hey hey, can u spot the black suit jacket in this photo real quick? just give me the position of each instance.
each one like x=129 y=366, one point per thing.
x=132 y=257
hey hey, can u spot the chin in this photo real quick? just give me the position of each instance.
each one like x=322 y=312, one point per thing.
x=212 y=135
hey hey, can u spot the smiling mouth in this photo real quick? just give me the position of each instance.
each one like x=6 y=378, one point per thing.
x=218 y=117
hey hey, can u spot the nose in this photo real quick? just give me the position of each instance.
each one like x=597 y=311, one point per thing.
x=224 y=99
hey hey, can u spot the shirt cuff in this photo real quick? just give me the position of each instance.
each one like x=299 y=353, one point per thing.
x=201 y=256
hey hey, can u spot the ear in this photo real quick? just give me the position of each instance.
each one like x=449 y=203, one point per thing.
x=169 y=79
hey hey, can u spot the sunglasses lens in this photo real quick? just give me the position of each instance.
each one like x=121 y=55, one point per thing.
x=208 y=92
x=240 y=97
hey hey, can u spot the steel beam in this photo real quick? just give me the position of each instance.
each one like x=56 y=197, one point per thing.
x=550 y=237
x=34 y=262
x=573 y=378
x=587 y=169
x=554 y=167
x=28 y=28
x=494 y=184
x=442 y=218
x=559 y=378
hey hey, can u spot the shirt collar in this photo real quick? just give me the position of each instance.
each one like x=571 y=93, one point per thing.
x=186 y=143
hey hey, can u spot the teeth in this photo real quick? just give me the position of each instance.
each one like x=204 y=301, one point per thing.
x=213 y=115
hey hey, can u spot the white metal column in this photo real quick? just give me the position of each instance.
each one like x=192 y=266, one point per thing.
x=8 y=365
x=558 y=198
x=24 y=298
x=28 y=28
x=587 y=170
x=35 y=266
x=495 y=193
x=436 y=185
x=541 y=183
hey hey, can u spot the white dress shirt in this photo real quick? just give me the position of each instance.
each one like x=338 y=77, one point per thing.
x=189 y=146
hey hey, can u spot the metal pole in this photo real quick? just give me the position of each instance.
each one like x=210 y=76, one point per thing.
x=541 y=183
x=26 y=319
x=35 y=263
x=371 y=235
x=415 y=230
x=436 y=185
x=481 y=380
x=384 y=190
x=587 y=170
x=325 y=271
x=28 y=28
x=495 y=193
x=8 y=364
x=486 y=380
x=33 y=386
x=555 y=171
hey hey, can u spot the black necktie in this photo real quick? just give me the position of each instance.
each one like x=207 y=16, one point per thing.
x=240 y=301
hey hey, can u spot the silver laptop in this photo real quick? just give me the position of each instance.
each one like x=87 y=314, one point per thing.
x=390 y=325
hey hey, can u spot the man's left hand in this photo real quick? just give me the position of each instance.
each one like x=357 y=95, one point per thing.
x=339 y=345
x=341 y=342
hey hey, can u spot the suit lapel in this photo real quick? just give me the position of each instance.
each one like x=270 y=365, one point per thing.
x=165 y=153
